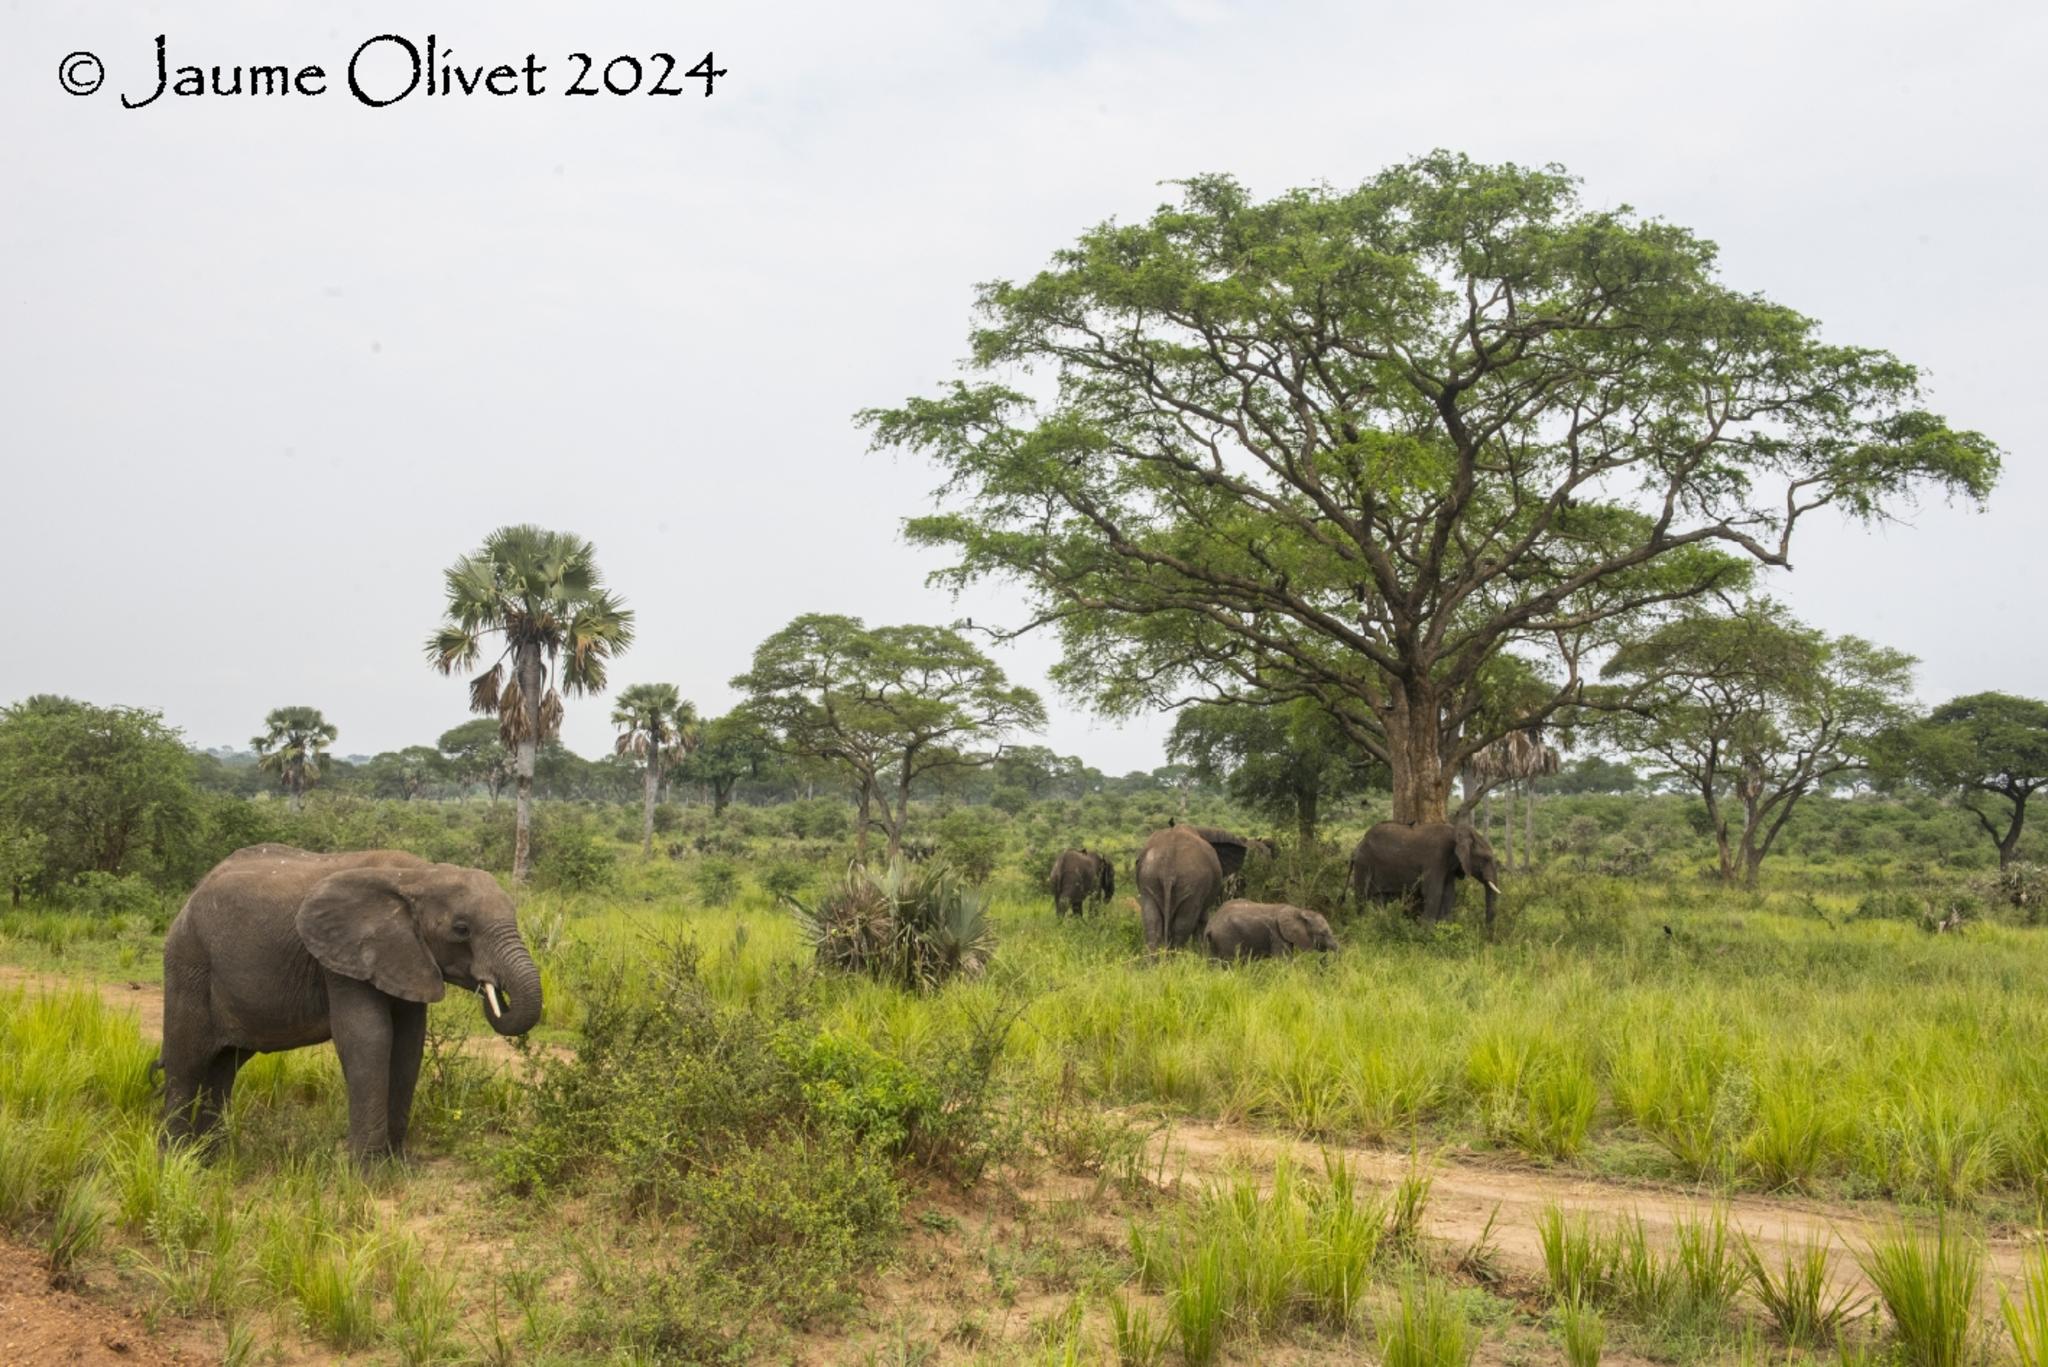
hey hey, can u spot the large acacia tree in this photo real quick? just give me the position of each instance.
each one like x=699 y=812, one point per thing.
x=539 y=593
x=886 y=706
x=1361 y=445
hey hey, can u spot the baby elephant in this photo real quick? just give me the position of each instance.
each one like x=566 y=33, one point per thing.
x=1266 y=930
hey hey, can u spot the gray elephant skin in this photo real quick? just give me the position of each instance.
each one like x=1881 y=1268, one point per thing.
x=1231 y=848
x=1266 y=930
x=278 y=949
x=1077 y=877
x=1425 y=860
x=1180 y=881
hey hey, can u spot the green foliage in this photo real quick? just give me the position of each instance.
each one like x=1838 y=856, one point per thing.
x=1285 y=763
x=1428 y=1328
x=912 y=926
x=1800 y=1296
x=1258 y=1262
x=2026 y=1319
x=85 y=788
x=572 y=856
x=884 y=707
x=972 y=842
x=718 y=882
x=1988 y=748
x=1929 y=1289
x=1216 y=444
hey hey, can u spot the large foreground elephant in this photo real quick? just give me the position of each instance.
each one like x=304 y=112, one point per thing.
x=1266 y=930
x=1426 y=858
x=1180 y=880
x=1077 y=877
x=278 y=949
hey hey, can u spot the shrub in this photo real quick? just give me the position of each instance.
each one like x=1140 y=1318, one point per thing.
x=972 y=842
x=914 y=926
x=785 y=880
x=571 y=856
x=2023 y=886
x=718 y=882
x=95 y=893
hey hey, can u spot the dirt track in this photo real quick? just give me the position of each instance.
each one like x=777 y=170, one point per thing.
x=1465 y=1193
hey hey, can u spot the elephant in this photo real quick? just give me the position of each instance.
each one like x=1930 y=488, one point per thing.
x=1402 y=858
x=278 y=948
x=1180 y=879
x=1266 y=930
x=1077 y=876
x=1231 y=848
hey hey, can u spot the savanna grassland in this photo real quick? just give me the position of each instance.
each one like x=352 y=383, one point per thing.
x=1658 y=1118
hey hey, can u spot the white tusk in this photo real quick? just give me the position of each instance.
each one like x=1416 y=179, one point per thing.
x=491 y=998
x=1494 y=888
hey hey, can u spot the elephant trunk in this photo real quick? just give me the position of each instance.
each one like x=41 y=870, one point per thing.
x=511 y=986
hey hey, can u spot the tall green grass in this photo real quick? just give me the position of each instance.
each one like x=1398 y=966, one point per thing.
x=1928 y=1285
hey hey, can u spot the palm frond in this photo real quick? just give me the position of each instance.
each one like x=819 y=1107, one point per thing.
x=483 y=690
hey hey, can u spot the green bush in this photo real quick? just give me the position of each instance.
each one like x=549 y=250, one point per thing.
x=103 y=894
x=786 y=879
x=574 y=858
x=718 y=882
x=972 y=842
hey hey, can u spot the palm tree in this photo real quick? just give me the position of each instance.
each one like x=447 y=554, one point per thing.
x=541 y=593
x=654 y=721
x=1517 y=759
x=294 y=742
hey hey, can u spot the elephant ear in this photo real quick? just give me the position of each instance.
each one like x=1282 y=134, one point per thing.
x=359 y=923
x=1465 y=841
x=1297 y=929
x=1106 y=876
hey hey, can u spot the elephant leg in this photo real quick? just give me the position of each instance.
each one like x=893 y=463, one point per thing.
x=360 y=1017
x=1153 y=923
x=408 y=1043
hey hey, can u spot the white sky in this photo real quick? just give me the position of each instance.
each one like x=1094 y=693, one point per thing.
x=268 y=365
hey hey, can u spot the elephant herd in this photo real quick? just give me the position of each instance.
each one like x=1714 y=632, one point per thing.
x=1182 y=872
x=279 y=948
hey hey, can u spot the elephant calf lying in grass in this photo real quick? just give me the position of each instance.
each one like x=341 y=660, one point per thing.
x=1266 y=930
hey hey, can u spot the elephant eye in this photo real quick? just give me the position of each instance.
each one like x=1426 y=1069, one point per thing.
x=461 y=929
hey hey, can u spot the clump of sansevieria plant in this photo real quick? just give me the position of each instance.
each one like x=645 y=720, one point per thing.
x=915 y=926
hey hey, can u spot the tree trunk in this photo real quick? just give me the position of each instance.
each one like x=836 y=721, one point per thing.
x=2009 y=847
x=1305 y=815
x=647 y=800
x=1507 y=827
x=528 y=667
x=1422 y=787
x=860 y=821
x=1528 y=824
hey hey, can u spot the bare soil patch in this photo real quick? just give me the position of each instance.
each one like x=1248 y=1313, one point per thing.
x=40 y=1325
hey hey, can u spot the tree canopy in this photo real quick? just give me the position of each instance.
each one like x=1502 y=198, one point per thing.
x=1987 y=748
x=887 y=706
x=1753 y=708
x=85 y=789
x=1359 y=446
x=1282 y=762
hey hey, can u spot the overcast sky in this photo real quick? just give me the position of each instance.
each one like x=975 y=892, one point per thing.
x=270 y=364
